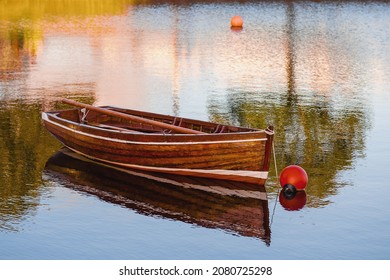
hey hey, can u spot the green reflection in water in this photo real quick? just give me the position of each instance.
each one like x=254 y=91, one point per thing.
x=24 y=147
x=320 y=138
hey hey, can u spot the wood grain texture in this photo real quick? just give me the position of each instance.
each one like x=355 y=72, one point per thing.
x=239 y=149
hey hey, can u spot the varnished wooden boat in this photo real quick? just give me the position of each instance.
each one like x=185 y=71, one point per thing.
x=160 y=143
x=234 y=207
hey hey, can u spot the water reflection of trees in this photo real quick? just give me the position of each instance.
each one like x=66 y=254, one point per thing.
x=24 y=143
x=24 y=149
x=320 y=138
x=25 y=146
x=36 y=9
x=315 y=129
x=18 y=49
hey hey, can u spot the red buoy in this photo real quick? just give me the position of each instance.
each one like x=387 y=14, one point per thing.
x=294 y=175
x=236 y=21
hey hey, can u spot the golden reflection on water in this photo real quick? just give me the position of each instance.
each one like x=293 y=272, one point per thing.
x=283 y=68
x=14 y=10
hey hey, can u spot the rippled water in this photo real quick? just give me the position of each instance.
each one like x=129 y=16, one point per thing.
x=317 y=71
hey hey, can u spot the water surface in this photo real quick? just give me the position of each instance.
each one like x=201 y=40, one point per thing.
x=317 y=71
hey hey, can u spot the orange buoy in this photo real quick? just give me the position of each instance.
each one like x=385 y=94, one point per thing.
x=236 y=21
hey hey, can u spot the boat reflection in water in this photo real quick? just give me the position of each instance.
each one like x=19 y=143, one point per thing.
x=237 y=208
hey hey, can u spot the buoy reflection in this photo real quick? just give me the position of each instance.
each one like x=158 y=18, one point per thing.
x=292 y=200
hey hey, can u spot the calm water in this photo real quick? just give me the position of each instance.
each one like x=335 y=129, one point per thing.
x=319 y=72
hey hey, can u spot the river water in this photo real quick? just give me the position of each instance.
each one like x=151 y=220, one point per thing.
x=317 y=71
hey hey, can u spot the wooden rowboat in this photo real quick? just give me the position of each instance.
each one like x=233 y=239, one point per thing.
x=234 y=207
x=160 y=143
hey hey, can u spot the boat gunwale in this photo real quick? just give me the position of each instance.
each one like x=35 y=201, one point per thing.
x=251 y=134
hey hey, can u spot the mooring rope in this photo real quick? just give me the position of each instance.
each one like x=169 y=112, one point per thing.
x=276 y=167
x=277 y=176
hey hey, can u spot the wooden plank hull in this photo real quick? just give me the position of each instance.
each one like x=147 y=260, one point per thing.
x=235 y=207
x=241 y=156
